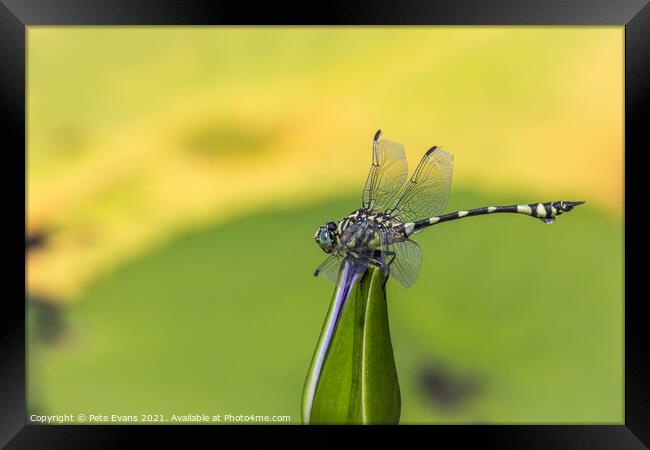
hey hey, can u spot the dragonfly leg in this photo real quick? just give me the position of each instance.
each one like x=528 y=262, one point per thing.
x=391 y=255
x=374 y=260
x=384 y=265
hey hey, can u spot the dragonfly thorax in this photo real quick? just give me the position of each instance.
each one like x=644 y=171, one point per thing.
x=329 y=236
x=381 y=220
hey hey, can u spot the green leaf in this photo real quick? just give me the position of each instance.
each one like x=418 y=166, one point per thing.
x=354 y=381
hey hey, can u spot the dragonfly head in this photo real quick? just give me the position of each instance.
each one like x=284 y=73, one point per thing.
x=327 y=237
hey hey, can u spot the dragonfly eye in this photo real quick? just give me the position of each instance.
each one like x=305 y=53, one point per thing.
x=325 y=237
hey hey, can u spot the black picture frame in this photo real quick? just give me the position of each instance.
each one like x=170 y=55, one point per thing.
x=634 y=15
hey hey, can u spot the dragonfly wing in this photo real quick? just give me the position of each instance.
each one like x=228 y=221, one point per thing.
x=406 y=265
x=387 y=174
x=330 y=268
x=426 y=193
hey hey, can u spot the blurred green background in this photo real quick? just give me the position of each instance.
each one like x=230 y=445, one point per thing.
x=175 y=178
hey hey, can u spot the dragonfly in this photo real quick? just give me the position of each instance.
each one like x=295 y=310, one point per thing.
x=393 y=209
x=379 y=233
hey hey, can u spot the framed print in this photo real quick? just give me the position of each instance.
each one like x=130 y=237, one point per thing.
x=456 y=175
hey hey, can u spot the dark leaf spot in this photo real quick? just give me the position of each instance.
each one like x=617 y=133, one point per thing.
x=447 y=390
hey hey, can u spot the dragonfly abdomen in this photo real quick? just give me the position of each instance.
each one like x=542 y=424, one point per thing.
x=547 y=212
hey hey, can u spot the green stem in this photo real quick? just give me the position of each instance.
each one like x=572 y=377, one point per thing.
x=353 y=378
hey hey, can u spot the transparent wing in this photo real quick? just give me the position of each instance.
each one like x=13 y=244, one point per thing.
x=330 y=268
x=405 y=266
x=426 y=193
x=387 y=174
